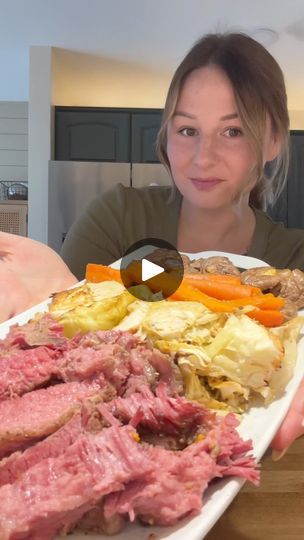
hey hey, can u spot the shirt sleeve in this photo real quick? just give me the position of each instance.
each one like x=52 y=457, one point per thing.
x=96 y=237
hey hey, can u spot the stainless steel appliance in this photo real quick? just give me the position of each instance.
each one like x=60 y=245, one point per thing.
x=73 y=184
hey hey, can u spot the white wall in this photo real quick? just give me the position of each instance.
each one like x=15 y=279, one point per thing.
x=40 y=140
x=13 y=140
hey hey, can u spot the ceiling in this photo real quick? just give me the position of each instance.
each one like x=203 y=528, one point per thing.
x=154 y=33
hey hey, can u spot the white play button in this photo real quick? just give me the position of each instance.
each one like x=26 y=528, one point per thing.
x=149 y=269
x=156 y=265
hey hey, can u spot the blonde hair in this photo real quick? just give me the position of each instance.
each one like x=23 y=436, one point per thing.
x=259 y=88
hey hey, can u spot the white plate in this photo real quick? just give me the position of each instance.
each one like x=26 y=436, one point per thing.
x=260 y=424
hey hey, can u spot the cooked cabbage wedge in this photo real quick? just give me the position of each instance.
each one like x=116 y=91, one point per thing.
x=182 y=321
x=226 y=360
x=92 y=306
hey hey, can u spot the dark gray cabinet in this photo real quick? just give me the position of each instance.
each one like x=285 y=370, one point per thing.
x=94 y=134
x=144 y=129
x=289 y=209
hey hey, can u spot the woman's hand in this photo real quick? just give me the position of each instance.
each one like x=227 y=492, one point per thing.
x=292 y=426
x=29 y=272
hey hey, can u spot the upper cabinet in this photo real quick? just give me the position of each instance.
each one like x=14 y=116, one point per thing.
x=289 y=207
x=144 y=129
x=98 y=134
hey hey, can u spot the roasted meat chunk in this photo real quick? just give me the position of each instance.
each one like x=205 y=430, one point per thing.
x=215 y=265
x=292 y=287
x=265 y=277
x=289 y=284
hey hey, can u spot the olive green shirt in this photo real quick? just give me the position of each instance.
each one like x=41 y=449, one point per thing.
x=124 y=215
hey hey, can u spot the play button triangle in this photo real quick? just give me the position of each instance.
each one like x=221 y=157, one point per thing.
x=150 y=270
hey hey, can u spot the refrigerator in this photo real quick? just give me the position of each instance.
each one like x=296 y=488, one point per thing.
x=73 y=184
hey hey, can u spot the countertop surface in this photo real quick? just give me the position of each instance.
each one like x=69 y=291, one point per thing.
x=272 y=511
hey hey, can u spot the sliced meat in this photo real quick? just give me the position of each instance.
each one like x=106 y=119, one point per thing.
x=118 y=357
x=176 y=487
x=126 y=362
x=18 y=463
x=109 y=475
x=94 y=339
x=37 y=414
x=161 y=414
x=54 y=494
x=43 y=329
x=150 y=366
x=24 y=370
x=84 y=361
x=172 y=493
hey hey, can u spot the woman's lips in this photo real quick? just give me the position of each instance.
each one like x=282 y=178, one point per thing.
x=205 y=184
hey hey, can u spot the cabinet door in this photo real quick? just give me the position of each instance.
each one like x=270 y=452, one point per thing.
x=92 y=135
x=295 y=182
x=144 y=131
x=289 y=209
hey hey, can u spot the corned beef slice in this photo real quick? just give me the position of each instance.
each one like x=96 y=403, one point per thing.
x=231 y=450
x=25 y=370
x=160 y=413
x=36 y=414
x=75 y=474
x=176 y=487
x=28 y=355
x=123 y=360
x=158 y=485
x=83 y=362
x=53 y=495
x=167 y=486
x=12 y=467
x=43 y=329
x=173 y=491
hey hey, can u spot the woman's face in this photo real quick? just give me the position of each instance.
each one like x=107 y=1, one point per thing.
x=210 y=156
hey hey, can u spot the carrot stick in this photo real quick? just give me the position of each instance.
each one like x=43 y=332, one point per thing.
x=262 y=301
x=187 y=292
x=267 y=317
x=221 y=290
x=98 y=272
x=222 y=278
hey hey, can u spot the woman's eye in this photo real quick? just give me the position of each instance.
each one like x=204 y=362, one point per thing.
x=188 y=132
x=233 y=132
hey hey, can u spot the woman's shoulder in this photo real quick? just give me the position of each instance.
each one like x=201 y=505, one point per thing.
x=280 y=246
x=277 y=228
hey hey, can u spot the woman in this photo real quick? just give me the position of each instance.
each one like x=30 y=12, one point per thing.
x=225 y=123
x=225 y=118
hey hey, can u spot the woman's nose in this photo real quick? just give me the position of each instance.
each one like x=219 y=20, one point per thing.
x=206 y=151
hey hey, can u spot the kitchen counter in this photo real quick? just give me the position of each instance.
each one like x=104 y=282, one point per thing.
x=272 y=511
